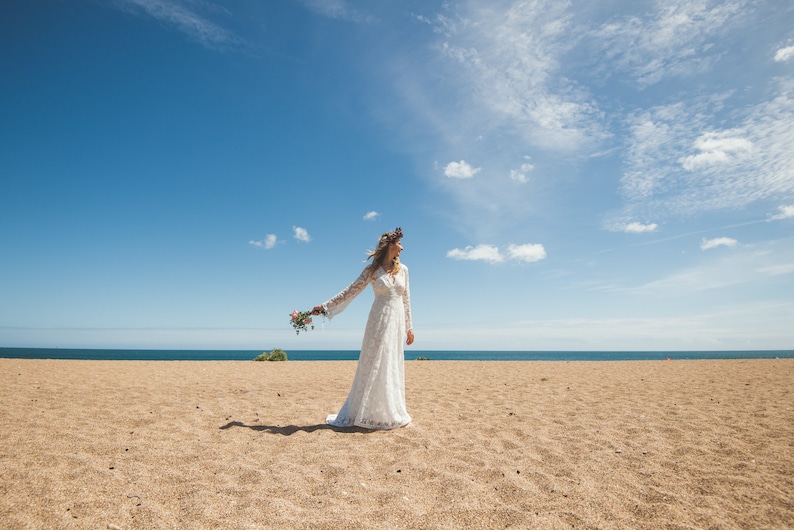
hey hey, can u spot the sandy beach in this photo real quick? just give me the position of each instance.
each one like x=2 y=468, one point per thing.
x=183 y=444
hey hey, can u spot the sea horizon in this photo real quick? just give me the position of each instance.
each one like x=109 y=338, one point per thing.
x=142 y=354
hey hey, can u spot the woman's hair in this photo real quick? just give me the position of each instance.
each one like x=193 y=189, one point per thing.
x=379 y=254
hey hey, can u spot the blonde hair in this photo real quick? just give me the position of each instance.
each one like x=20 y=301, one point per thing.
x=379 y=254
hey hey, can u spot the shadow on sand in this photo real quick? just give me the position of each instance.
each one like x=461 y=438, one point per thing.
x=289 y=430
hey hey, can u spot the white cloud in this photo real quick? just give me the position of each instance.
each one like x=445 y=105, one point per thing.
x=174 y=13
x=528 y=253
x=639 y=228
x=268 y=242
x=487 y=253
x=784 y=54
x=371 y=216
x=301 y=234
x=718 y=242
x=786 y=212
x=717 y=148
x=520 y=174
x=461 y=170
x=423 y=19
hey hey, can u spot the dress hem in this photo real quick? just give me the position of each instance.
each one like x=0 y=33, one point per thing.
x=374 y=426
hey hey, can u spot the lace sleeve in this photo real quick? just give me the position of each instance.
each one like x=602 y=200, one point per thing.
x=407 y=302
x=338 y=303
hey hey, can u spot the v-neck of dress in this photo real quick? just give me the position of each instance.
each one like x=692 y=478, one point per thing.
x=389 y=276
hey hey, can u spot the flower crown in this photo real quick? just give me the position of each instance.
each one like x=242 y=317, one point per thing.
x=391 y=237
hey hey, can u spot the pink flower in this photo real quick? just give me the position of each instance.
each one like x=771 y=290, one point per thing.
x=301 y=320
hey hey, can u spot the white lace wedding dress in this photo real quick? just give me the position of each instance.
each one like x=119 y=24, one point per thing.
x=377 y=397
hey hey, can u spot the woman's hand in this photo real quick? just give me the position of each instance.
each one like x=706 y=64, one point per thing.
x=410 y=339
x=317 y=310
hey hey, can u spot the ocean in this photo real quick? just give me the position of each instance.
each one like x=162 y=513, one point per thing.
x=351 y=355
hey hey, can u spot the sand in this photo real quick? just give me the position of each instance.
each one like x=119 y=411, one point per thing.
x=242 y=444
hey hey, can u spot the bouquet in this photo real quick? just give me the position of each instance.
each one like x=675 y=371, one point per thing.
x=301 y=320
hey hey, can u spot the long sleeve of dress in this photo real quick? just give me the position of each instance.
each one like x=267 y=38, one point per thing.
x=407 y=302
x=338 y=303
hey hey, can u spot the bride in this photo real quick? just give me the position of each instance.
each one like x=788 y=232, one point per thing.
x=377 y=397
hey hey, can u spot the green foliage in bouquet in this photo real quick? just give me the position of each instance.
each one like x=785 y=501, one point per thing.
x=301 y=320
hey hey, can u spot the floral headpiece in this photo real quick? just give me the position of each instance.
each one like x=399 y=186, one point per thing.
x=391 y=237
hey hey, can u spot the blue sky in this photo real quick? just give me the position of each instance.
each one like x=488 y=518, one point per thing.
x=185 y=173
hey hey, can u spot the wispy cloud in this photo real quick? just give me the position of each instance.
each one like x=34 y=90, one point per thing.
x=566 y=84
x=672 y=40
x=707 y=244
x=504 y=62
x=301 y=234
x=488 y=88
x=337 y=9
x=371 y=216
x=268 y=242
x=764 y=325
x=181 y=16
x=673 y=168
x=507 y=66
x=746 y=265
x=777 y=270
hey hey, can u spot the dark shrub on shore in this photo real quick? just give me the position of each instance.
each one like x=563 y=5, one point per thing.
x=276 y=355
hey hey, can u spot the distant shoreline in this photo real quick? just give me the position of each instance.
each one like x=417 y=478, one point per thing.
x=344 y=355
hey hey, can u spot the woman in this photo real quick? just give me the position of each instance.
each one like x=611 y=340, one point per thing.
x=377 y=397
